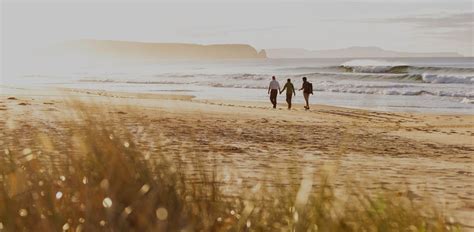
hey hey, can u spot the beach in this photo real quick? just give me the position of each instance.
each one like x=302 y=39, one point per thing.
x=209 y=116
x=427 y=155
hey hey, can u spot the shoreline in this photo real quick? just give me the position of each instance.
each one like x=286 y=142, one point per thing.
x=315 y=101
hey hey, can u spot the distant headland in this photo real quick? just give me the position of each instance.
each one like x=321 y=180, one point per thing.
x=150 y=51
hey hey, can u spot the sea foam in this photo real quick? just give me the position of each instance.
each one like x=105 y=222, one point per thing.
x=447 y=79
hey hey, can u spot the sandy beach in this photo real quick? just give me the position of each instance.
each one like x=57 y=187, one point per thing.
x=250 y=143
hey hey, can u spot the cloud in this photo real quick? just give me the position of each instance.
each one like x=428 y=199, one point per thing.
x=451 y=21
x=460 y=36
x=226 y=31
x=456 y=27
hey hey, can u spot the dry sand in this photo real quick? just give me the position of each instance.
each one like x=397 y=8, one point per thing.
x=250 y=143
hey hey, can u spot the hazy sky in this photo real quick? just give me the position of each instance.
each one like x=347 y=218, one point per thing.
x=402 y=25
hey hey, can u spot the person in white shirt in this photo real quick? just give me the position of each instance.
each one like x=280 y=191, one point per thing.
x=273 y=90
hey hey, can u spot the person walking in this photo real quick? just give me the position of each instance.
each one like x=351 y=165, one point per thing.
x=290 y=92
x=273 y=89
x=307 y=90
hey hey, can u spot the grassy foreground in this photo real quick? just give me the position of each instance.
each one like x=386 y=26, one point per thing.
x=107 y=183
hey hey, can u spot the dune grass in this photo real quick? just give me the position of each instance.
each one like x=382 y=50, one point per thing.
x=105 y=182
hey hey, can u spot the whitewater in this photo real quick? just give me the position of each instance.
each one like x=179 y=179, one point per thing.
x=397 y=84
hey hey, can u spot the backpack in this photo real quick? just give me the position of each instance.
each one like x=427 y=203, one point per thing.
x=308 y=88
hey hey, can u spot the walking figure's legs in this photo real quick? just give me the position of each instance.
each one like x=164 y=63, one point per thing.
x=306 y=98
x=288 y=100
x=273 y=97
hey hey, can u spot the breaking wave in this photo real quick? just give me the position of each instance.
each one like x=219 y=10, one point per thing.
x=435 y=75
x=374 y=66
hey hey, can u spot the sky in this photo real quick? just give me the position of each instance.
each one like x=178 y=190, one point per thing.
x=402 y=25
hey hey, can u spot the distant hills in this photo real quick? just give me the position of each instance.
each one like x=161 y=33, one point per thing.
x=351 y=52
x=96 y=49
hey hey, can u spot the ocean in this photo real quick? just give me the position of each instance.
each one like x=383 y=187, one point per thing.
x=437 y=85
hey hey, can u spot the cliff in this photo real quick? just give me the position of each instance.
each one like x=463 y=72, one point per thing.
x=150 y=51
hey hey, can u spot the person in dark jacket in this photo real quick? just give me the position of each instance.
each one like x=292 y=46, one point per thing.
x=307 y=90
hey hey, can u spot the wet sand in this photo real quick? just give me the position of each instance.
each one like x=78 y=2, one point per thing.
x=250 y=143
